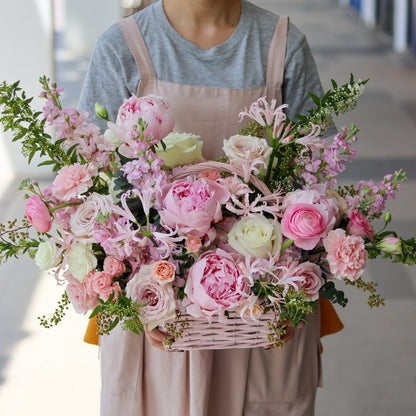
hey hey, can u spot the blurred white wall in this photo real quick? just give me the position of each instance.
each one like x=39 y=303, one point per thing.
x=26 y=54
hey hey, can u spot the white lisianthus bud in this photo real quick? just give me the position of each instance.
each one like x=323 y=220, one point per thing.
x=45 y=257
x=81 y=261
x=180 y=149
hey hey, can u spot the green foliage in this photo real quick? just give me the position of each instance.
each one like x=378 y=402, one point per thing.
x=28 y=127
x=59 y=313
x=329 y=291
x=110 y=313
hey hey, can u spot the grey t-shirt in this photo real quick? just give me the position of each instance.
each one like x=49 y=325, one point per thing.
x=239 y=62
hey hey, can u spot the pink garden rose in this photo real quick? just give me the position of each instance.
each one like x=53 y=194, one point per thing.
x=78 y=296
x=310 y=278
x=159 y=299
x=192 y=206
x=308 y=217
x=215 y=284
x=163 y=271
x=346 y=254
x=359 y=225
x=153 y=110
x=38 y=214
x=192 y=243
x=113 y=266
x=71 y=181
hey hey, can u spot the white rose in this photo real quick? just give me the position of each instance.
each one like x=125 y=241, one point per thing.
x=237 y=146
x=257 y=236
x=83 y=220
x=181 y=149
x=81 y=261
x=45 y=257
x=112 y=139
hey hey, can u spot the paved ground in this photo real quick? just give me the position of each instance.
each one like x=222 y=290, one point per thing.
x=369 y=368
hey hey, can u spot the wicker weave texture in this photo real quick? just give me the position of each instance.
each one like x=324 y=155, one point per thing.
x=200 y=334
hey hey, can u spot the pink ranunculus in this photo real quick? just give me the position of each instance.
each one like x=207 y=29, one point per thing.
x=113 y=266
x=71 y=181
x=192 y=206
x=38 y=214
x=310 y=278
x=159 y=300
x=359 y=225
x=306 y=224
x=211 y=174
x=153 y=110
x=215 y=284
x=163 y=271
x=192 y=243
x=79 y=297
x=346 y=254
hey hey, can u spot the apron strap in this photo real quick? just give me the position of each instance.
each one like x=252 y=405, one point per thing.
x=135 y=42
x=276 y=59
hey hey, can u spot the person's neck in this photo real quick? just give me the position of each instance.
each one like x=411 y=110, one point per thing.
x=206 y=23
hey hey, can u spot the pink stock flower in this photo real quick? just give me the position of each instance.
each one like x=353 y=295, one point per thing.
x=38 y=214
x=71 y=181
x=158 y=300
x=215 y=284
x=359 y=225
x=346 y=254
x=192 y=206
x=113 y=266
x=153 y=110
x=309 y=278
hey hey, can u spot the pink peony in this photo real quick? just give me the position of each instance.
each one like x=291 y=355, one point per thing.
x=153 y=110
x=215 y=284
x=192 y=206
x=71 y=181
x=306 y=224
x=310 y=278
x=359 y=225
x=346 y=254
x=38 y=214
x=113 y=266
x=158 y=300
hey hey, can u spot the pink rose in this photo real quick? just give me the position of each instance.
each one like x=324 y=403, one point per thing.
x=192 y=206
x=211 y=174
x=359 y=225
x=71 y=181
x=38 y=214
x=192 y=243
x=109 y=290
x=215 y=284
x=163 y=271
x=346 y=254
x=158 y=299
x=310 y=278
x=113 y=266
x=153 y=110
x=79 y=297
x=306 y=224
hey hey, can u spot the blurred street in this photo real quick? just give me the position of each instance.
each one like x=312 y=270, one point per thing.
x=369 y=369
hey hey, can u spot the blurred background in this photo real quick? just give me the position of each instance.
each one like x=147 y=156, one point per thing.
x=370 y=367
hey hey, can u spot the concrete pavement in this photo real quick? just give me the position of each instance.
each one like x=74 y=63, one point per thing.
x=369 y=367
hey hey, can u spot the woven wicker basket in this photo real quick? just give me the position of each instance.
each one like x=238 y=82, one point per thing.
x=200 y=334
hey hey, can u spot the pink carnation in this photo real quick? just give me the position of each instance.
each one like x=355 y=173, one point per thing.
x=215 y=284
x=192 y=206
x=359 y=225
x=346 y=254
x=71 y=181
x=38 y=214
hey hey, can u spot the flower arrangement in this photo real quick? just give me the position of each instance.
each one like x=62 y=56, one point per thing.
x=142 y=230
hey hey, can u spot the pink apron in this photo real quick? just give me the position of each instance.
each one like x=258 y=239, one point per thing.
x=139 y=380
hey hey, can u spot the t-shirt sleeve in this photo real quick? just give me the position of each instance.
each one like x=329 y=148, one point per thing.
x=112 y=76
